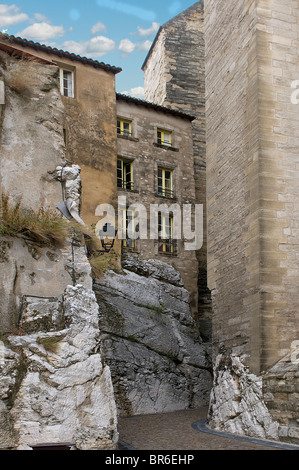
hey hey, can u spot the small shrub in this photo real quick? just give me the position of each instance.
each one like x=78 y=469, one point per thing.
x=50 y=85
x=100 y=263
x=50 y=344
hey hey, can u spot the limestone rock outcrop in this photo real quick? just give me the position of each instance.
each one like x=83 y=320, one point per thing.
x=157 y=358
x=237 y=403
x=56 y=388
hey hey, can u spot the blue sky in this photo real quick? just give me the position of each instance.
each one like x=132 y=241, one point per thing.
x=112 y=31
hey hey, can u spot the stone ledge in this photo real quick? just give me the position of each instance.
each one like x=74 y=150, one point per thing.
x=166 y=147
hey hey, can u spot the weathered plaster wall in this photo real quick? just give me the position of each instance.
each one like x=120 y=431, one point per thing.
x=90 y=123
x=89 y=128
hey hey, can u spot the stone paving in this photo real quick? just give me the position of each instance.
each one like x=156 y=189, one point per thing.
x=176 y=431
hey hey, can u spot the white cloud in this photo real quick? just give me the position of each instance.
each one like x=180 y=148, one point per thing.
x=40 y=17
x=147 y=32
x=126 y=46
x=98 y=27
x=41 y=32
x=96 y=47
x=137 y=92
x=144 y=46
x=10 y=15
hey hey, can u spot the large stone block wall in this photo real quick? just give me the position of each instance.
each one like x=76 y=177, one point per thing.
x=252 y=173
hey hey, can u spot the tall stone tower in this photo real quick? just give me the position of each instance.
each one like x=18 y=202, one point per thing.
x=174 y=75
x=252 y=122
x=253 y=176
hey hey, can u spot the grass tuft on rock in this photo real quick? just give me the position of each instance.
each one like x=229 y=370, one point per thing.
x=44 y=226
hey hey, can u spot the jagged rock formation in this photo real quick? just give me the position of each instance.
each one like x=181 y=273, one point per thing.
x=157 y=359
x=264 y=406
x=28 y=269
x=237 y=403
x=55 y=386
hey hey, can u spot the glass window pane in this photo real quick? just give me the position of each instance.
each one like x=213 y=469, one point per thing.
x=67 y=83
x=126 y=128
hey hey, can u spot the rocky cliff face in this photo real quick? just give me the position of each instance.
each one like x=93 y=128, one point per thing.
x=55 y=386
x=157 y=359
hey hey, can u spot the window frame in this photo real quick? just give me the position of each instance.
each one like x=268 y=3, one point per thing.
x=124 y=182
x=162 y=190
x=120 y=128
x=126 y=242
x=71 y=91
x=165 y=237
x=161 y=139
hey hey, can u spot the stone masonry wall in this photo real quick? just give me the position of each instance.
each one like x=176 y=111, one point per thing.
x=147 y=156
x=252 y=134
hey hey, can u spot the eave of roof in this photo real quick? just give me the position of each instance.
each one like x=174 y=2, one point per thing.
x=10 y=40
x=156 y=107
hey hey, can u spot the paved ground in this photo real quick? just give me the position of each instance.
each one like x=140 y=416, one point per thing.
x=182 y=430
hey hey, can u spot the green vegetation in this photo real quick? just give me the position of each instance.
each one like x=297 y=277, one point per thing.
x=158 y=309
x=50 y=344
x=133 y=339
x=101 y=263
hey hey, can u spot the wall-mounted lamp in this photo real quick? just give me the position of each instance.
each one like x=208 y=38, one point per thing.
x=107 y=236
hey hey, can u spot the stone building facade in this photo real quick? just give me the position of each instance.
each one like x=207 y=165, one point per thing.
x=156 y=172
x=174 y=75
x=69 y=142
x=89 y=138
